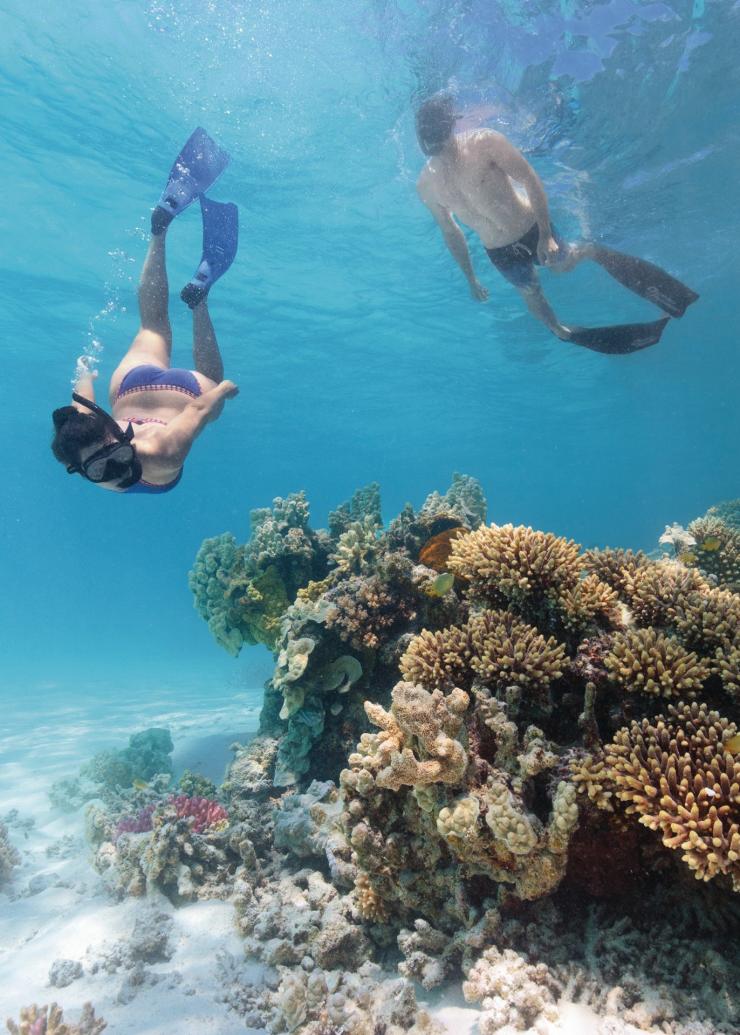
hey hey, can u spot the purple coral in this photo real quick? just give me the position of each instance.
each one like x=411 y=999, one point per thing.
x=205 y=812
x=139 y=823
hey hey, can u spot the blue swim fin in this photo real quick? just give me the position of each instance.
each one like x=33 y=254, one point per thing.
x=220 y=242
x=196 y=168
x=619 y=339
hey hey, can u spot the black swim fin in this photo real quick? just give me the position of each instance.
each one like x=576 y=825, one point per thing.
x=619 y=339
x=647 y=280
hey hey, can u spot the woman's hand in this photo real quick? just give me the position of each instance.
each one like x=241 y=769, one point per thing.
x=228 y=390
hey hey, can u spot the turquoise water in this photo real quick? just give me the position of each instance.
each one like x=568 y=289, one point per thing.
x=358 y=352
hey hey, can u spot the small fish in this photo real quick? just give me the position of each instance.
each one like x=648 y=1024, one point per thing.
x=687 y=557
x=436 y=551
x=441 y=585
x=139 y=785
x=711 y=543
x=733 y=744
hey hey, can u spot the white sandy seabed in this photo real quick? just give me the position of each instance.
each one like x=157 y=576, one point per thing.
x=57 y=908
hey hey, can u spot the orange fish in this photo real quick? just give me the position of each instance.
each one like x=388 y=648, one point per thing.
x=436 y=551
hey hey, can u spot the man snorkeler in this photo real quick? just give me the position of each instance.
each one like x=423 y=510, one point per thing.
x=472 y=176
x=157 y=411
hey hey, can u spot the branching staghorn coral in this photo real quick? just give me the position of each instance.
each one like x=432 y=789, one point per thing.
x=654 y=591
x=614 y=567
x=516 y=565
x=589 y=604
x=648 y=662
x=49 y=1020
x=496 y=646
x=676 y=776
x=707 y=621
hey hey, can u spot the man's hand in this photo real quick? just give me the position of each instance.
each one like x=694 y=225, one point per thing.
x=547 y=249
x=478 y=291
x=228 y=389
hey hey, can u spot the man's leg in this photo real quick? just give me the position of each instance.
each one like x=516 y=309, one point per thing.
x=540 y=308
x=153 y=342
x=206 y=355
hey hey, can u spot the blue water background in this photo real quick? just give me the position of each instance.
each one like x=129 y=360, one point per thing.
x=359 y=354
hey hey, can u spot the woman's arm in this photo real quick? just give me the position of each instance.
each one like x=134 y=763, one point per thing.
x=85 y=386
x=182 y=431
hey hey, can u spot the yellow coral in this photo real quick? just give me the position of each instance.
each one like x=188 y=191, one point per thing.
x=648 y=662
x=675 y=774
x=592 y=776
x=496 y=646
x=517 y=564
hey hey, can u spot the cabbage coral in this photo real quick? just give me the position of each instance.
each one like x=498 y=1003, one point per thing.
x=504 y=563
x=675 y=774
x=648 y=662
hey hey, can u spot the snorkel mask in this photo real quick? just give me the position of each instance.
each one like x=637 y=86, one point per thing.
x=117 y=460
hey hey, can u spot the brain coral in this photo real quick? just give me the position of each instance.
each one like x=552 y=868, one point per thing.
x=675 y=775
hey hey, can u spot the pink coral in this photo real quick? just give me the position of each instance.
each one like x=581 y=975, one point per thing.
x=139 y=823
x=205 y=812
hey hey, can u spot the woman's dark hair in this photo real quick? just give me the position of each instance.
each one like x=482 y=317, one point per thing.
x=435 y=121
x=73 y=431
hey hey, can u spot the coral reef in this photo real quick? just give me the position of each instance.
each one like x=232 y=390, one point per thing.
x=519 y=729
x=49 y=1020
x=9 y=856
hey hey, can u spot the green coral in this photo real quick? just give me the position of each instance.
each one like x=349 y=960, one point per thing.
x=243 y=591
x=148 y=753
x=195 y=785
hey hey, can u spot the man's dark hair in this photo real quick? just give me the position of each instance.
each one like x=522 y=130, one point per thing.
x=435 y=121
x=73 y=431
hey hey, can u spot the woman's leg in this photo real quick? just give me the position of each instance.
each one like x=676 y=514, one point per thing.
x=153 y=343
x=206 y=355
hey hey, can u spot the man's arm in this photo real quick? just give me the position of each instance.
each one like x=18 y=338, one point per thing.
x=182 y=431
x=455 y=241
x=512 y=162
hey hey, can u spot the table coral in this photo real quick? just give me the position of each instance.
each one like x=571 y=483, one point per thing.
x=674 y=774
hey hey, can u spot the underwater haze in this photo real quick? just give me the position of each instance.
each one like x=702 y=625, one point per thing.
x=560 y=754
x=358 y=351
